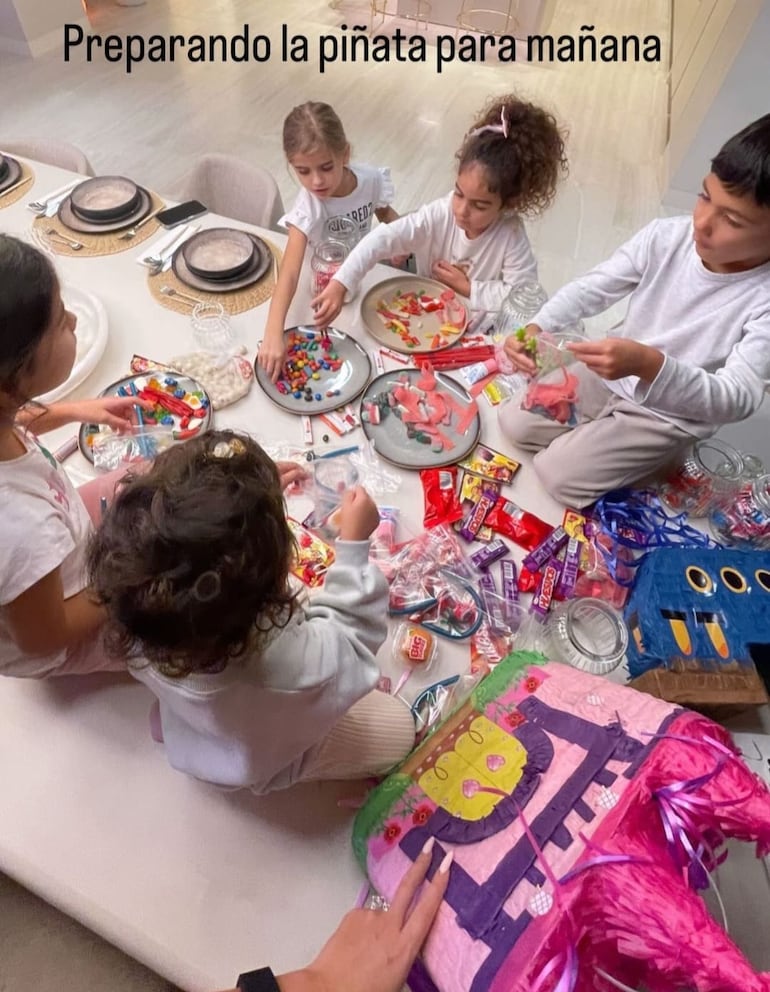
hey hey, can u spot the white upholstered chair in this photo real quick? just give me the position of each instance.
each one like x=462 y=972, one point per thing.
x=233 y=187
x=50 y=151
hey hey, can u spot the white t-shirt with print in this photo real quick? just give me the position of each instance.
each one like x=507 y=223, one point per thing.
x=374 y=189
x=44 y=525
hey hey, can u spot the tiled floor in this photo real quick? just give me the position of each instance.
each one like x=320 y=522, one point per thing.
x=152 y=124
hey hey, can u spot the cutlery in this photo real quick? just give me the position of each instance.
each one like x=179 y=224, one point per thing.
x=16 y=185
x=40 y=206
x=56 y=236
x=170 y=291
x=131 y=232
x=163 y=262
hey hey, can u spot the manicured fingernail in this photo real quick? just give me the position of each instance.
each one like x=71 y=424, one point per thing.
x=427 y=847
x=448 y=859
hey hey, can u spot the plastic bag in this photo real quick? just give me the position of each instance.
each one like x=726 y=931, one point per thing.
x=112 y=450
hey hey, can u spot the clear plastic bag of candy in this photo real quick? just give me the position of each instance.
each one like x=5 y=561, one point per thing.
x=135 y=444
x=557 y=389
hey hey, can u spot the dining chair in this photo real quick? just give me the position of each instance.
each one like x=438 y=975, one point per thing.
x=233 y=187
x=50 y=151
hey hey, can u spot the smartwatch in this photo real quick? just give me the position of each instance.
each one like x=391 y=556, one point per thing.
x=261 y=980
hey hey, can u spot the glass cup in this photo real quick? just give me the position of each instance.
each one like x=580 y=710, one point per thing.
x=212 y=330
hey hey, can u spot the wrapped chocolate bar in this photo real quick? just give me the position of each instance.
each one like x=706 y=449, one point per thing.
x=485 y=557
x=548 y=548
x=541 y=601
x=472 y=523
x=568 y=578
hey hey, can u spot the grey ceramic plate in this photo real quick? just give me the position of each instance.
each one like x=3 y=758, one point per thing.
x=3 y=167
x=260 y=264
x=218 y=253
x=350 y=379
x=141 y=380
x=104 y=199
x=70 y=219
x=424 y=327
x=13 y=173
x=390 y=436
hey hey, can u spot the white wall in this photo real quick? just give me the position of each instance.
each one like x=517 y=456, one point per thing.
x=743 y=96
x=30 y=27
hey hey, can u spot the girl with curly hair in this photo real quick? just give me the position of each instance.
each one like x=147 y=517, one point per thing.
x=473 y=239
x=256 y=687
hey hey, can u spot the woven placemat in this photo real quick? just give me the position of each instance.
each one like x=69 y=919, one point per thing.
x=236 y=301
x=95 y=244
x=17 y=194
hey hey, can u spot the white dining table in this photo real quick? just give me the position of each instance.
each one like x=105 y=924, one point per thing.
x=195 y=882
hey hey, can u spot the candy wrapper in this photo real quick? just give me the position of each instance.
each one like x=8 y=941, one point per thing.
x=471 y=488
x=442 y=504
x=480 y=508
x=491 y=464
x=521 y=527
x=548 y=548
x=313 y=558
x=414 y=646
x=544 y=595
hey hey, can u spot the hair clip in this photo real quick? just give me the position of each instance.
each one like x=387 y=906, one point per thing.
x=207 y=586
x=501 y=128
x=228 y=449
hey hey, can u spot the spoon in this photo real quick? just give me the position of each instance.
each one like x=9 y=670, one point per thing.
x=131 y=232
x=170 y=291
x=55 y=235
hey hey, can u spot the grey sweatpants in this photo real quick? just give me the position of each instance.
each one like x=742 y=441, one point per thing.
x=617 y=444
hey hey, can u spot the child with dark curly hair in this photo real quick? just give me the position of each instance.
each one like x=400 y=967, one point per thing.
x=256 y=687
x=473 y=239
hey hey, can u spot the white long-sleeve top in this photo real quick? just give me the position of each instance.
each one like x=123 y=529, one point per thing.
x=256 y=723
x=496 y=260
x=713 y=328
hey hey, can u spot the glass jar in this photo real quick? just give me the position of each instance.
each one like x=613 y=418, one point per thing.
x=211 y=329
x=328 y=256
x=519 y=307
x=341 y=229
x=753 y=467
x=707 y=478
x=587 y=634
x=744 y=522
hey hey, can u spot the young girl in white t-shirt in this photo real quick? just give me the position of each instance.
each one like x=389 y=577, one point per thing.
x=48 y=623
x=473 y=239
x=316 y=148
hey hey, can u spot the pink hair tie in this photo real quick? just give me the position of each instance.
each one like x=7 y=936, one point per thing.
x=501 y=128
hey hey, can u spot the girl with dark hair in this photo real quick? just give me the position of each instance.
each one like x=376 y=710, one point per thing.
x=472 y=240
x=47 y=620
x=256 y=687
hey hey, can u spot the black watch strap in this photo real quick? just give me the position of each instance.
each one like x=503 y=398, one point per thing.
x=261 y=980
